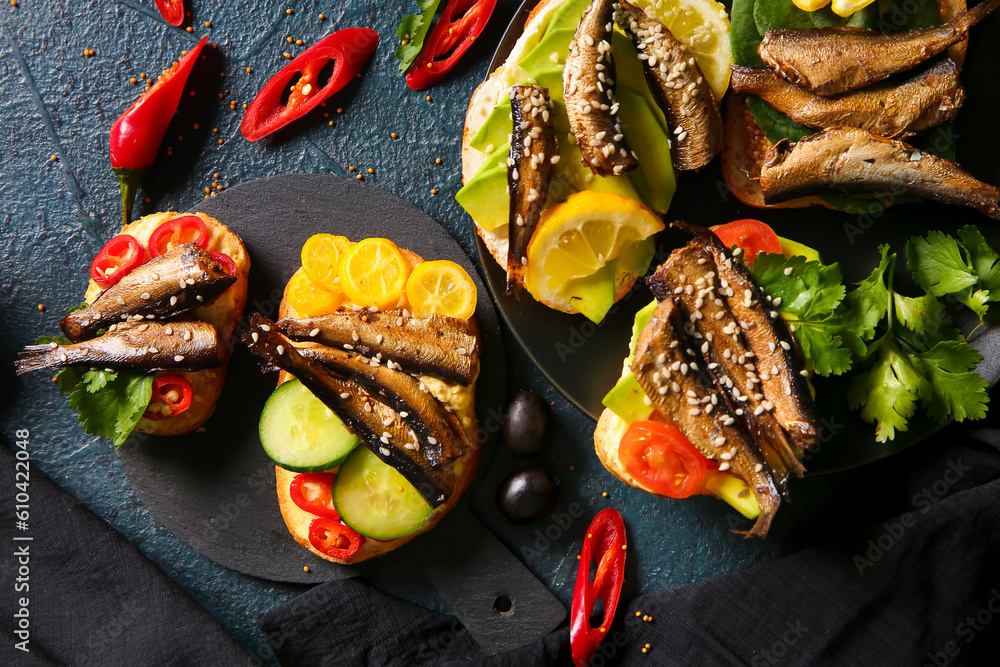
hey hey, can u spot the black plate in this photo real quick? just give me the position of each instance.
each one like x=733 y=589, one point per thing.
x=584 y=360
x=215 y=489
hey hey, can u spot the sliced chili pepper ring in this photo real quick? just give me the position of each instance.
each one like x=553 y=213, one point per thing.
x=461 y=23
x=605 y=544
x=227 y=262
x=313 y=492
x=116 y=260
x=172 y=233
x=334 y=539
x=171 y=396
x=348 y=49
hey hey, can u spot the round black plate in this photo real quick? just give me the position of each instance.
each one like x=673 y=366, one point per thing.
x=584 y=360
x=215 y=490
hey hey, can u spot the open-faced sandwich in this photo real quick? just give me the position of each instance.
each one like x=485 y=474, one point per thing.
x=713 y=397
x=570 y=146
x=826 y=108
x=372 y=427
x=148 y=350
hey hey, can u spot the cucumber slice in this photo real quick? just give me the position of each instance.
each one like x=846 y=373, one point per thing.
x=375 y=500
x=300 y=433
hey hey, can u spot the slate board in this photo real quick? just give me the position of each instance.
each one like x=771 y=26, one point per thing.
x=584 y=360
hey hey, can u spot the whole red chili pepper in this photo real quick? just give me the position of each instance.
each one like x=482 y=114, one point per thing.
x=605 y=543
x=136 y=136
x=460 y=25
x=349 y=49
x=172 y=10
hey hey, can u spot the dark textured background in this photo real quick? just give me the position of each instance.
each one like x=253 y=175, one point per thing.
x=57 y=213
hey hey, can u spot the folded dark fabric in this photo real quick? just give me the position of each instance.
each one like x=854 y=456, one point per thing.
x=91 y=597
x=921 y=587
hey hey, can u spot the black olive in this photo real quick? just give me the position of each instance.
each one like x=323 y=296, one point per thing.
x=524 y=428
x=527 y=494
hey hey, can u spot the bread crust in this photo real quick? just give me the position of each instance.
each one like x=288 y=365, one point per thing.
x=224 y=312
x=297 y=520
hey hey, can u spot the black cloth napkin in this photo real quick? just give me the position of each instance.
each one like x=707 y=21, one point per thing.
x=92 y=597
x=903 y=568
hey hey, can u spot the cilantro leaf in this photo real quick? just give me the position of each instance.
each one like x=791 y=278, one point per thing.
x=114 y=408
x=983 y=259
x=938 y=265
x=922 y=314
x=866 y=304
x=953 y=389
x=413 y=30
x=887 y=391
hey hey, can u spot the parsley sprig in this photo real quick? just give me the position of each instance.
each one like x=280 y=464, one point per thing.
x=413 y=30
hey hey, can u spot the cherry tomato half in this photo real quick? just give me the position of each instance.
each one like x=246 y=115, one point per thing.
x=313 y=492
x=228 y=265
x=115 y=260
x=752 y=235
x=171 y=396
x=334 y=538
x=662 y=459
x=172 y=233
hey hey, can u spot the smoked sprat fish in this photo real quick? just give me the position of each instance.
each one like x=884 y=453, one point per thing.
x=680 y=388
x=679 y=87
x=890 y=109
x=180 y=280
x=151 y=346
x=834 y=60
x=435 y=345
x=856 y=162
x=423 y=461
x=534 y=152
x=588 y=91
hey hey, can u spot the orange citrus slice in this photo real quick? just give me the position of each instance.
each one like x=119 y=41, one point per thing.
x=374 y=273
x=441 y=287
x=310 y=299
x=321 y=255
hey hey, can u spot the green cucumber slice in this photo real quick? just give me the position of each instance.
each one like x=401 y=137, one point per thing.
x=375 y=500
x=300 y=433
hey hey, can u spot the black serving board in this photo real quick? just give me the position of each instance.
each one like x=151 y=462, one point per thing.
x=584 y=360
x=215 y=489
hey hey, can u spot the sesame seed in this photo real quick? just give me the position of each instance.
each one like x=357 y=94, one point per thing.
x=179 y=358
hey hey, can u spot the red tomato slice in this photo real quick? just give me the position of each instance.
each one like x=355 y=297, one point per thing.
x=171 y=396
x=115 y=260
x=662 y=459
x=228 y=265
x=334 y=538
x=313 y=492
x=348 y=50
x=752 y=235
x=461 y=23
x=172 y=10
x=172 y=233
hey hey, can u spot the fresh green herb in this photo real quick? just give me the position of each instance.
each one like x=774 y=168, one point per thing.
x=412 y=31
x=966 y=267
x=809 y=295
x=918 y=357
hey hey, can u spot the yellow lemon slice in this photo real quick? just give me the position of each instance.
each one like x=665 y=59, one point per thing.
x=310 y=299
x=374 y=273
x=441 y=287
x=321 y=255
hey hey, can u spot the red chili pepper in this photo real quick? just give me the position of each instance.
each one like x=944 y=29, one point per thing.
x=171 y=396
x=115 y=260
x=228 y=265
x=334 y=538
x=172 y=10
x=460 y=25
x=605 y=544
x=313 y=492
x=137 y=134
x=348 y=49
x=172 y=233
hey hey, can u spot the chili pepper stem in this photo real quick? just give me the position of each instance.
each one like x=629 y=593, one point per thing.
x=128 y=181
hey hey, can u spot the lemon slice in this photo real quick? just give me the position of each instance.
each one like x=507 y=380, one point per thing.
x=578 y=237
x=843 y=8
x=321 y=255
x=703 y=27
x=311 y=299
x=374 y=273
x=441 y=287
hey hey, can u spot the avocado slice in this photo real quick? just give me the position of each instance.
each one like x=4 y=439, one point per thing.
x=790 y=247
x=485 y=195
x=651 y=146
x=496 y=128
x=592 y=295
x=626 y=398
x=733 y=490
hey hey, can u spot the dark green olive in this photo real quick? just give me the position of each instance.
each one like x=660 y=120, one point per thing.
x=527 y=494
x=524 y=427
